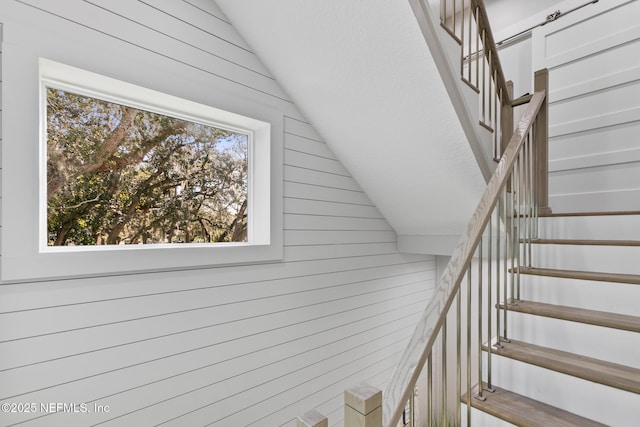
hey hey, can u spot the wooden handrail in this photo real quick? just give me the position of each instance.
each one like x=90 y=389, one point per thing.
x=490 y=45
x=484 y=72
x=420 y=345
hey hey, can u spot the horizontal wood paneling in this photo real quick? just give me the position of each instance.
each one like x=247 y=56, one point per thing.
x=301 y=174
x=241 y=345
x=594 y=110
x=36 y=25
x=609 y=158
x=209 y=7
x=595 y=141
x=199 y=37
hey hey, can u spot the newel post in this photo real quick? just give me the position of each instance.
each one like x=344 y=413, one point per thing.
x=312 y=418
x=541 y=82
x=363 y=406
x=506 y=118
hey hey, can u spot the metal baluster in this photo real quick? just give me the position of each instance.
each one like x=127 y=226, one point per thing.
x=479 y=58
x=490 y=82
x=530 y=187
x=429 y=391
x=535 y=180
x=469 y=346
x=458 y=357
x=512 y=252
x=444 y=371
x=519 y=231
x=480 y=394
x=462 y=43
x=412 y=409
x=453 y=16
x=509 y=254
x=497 y=123
x=498 y=264
x=470 y=44
x=525 y=194
x=489 y=388
x=484 y=78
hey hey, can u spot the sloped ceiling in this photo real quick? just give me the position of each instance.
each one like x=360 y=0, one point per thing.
x=362 y=74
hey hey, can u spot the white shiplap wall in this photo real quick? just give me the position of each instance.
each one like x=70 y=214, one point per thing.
x=246 y=345
x=594 y=107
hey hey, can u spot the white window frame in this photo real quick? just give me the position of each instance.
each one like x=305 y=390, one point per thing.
x=26 y=256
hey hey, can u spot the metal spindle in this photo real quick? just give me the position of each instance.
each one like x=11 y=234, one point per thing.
x=498 y=264
x=444 y=372
x=535 y=180
x=470 y=44
x=480 y=395
x=429 y=391
x=489 y=285
x=484 y=78
x=458 y=357
x=530 y=197
x=519 y=228
x=525 y=194
x=453 y=16
x=462 y=44
x=512 y=253
x=412 y=409
x=479 y=58
x=507 y=206
x=469 y=346
x=490 y=83
x=497 y=126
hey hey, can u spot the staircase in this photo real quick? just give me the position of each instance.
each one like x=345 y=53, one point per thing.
x=574 y=353
x=542 y=312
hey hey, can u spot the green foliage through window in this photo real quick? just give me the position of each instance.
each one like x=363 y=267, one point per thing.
x=121 y=175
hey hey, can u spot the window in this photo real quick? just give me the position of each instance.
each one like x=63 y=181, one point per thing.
x=132 y=179
x=122 y=175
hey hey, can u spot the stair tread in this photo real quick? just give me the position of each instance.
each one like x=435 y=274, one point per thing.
x=580 y=315
x=592 y=242
x=526 y=412
x=583 y=275
x=588 y=368
x=602 y=213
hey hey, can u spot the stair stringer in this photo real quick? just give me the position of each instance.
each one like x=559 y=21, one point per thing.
x=446 y=54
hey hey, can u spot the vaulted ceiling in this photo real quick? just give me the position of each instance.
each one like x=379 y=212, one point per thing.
x=362 y=74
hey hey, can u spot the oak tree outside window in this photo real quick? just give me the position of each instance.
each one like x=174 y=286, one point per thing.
x=123 y=175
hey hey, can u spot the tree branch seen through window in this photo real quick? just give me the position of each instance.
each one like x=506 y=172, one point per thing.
x=121 y=175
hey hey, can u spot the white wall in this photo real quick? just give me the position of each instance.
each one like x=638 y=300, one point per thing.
x=594 y=84
x=594 y=107
x=245 y=345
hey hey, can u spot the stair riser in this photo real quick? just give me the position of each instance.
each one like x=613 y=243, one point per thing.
x=595 y=401
x=608 y=227
x=603 y=296
x=607 y=259
x=613 y=345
